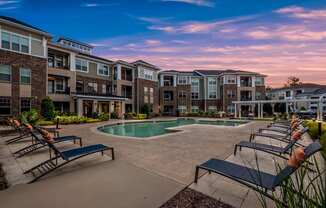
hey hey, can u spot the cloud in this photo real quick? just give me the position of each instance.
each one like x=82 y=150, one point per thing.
x=204 y=3
x=288 y=33
x=3 y=2
x=90 y=5
x=154 y=20
x=199 y=27
x=152 y=42
x=302 y=13
x=9 y=8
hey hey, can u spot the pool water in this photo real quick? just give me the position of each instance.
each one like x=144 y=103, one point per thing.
x=155 y=128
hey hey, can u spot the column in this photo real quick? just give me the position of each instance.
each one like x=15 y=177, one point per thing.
x=273 y=108
x=174 y=80
x=259 y=109
x=79 y=107
x=123 y=108
x=72 y=61
x=235 y=110
x=262 y=111
x=162 y=80
x=287 y=109
x=118 y=72
x=240 y=111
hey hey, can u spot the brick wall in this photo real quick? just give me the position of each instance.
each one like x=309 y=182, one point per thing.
x=139 y=89
x=38 y=67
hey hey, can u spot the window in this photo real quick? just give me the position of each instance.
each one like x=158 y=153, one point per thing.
x=194 y=109
x=50 y=60
x=92 y=87
x=195 y=88
x=25 y=104
x=80 y=86
x=25 y=76
x=151 y=95
x=212 y=88
x=230 y=108
x=5 y=106
x=103 y=70
x=81 y=65
x=212 y=108
x=182 y=94
x=230 y=79
x=182 y=108
x=50 y=86
x=14 y=42
x=148 y=74
x=259 y=81
x=24 y=43
x=5 y=73
x=145 y=90
x=288 y=93
x=59 y=85
x=230 y=93
x=182 y=80
x=145 y=99
x=5 y=40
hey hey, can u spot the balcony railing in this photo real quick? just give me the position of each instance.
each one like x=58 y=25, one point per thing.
x=246 y=98
x=97 y=94
x=61 y=92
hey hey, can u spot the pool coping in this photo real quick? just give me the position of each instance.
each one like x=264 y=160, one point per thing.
x=173 y=130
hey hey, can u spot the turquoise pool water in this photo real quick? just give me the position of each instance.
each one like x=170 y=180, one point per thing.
x=155 y=128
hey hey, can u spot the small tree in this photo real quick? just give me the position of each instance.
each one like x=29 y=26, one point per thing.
x=47 y=109
x=292 y=81
x=145 y=109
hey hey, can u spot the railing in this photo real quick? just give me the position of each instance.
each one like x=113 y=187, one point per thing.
x=63 y=92
x=97 y=94
x=246 y=98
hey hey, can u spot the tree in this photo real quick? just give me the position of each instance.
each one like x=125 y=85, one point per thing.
x=292 y=81
x=145 y=109
x=47 y=109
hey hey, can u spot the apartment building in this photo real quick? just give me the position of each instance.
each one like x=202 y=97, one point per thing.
x=33 y=65
x=23 y=66
x=209 y=90
x=301 y=91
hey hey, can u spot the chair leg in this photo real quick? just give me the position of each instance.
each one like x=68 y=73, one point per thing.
x=112 y=154
x=235 y=149
x=196 y=175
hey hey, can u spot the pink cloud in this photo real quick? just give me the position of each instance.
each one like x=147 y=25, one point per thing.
x=301 y=13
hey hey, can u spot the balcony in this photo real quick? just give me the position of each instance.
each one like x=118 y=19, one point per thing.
x=245 y=82
x=168 y=96
x=246 y=96
x=168 y=81
x=60 y=92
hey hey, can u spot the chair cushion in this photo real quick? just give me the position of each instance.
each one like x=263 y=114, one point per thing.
x=83 y=151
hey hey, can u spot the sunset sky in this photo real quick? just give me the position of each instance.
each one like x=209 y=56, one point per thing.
x=279 y=38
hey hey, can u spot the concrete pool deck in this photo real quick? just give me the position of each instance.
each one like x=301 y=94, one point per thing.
x=146 y=173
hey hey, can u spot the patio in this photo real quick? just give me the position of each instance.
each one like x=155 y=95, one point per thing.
x=146 y=173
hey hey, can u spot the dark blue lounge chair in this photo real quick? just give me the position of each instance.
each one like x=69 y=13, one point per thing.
x=259 y=181
x=282 y=138
x=37 y=144
x=61 y=158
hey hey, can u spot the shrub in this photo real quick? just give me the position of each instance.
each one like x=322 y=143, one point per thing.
x=145 y=109
x=30 y=117
x=47 y=109
x=114 y=115
x=103 y=116
x=45 y=123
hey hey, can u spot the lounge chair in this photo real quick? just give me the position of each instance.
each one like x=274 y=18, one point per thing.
x=271 y=149
x=259 y=181
x=24 y=133
x=61 y=158
x=282 y=138
x=37 y=144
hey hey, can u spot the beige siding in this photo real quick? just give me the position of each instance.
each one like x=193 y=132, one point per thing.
x=25 y=91
x=92 y=68
x=5 y=89
x=37 y=48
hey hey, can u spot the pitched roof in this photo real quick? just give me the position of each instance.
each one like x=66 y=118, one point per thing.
x=145 y=64
x=75 y=41
x=15 y=21
x=301 y=85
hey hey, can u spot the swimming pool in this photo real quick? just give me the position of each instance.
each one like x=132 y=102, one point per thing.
x=155 y=128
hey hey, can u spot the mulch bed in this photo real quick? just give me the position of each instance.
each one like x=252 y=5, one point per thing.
x=189 y=198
